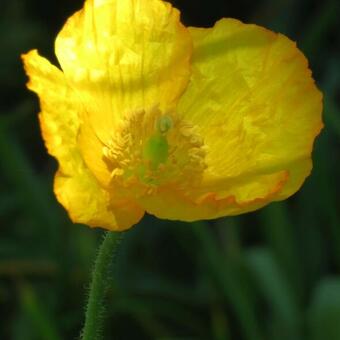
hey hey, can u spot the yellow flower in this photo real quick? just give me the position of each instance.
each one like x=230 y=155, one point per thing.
x=183 y=123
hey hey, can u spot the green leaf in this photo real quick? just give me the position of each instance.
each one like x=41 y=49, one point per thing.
x=37 y=313
x=324 y=311
x=276 y=291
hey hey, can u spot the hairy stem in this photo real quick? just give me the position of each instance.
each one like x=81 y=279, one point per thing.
x=101 y=274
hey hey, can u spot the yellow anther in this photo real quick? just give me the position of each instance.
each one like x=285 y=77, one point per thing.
x=149 y=150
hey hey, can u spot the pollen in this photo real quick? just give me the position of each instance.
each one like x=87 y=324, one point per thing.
x=151 y=150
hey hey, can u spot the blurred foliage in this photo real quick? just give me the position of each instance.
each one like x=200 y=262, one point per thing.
x=273 y=274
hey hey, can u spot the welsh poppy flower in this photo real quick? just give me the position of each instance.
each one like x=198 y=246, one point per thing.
x=147 y=115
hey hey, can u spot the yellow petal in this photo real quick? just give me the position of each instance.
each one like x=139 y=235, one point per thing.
x=58 y=117
x=177 y=205
x=88 y=203
x=123 y=56
x=253 y=100
x=75 y=186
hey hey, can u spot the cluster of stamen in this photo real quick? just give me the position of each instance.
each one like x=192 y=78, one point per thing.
x=149 y=150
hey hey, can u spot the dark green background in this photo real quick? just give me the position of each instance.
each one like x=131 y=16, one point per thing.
x=273 y=274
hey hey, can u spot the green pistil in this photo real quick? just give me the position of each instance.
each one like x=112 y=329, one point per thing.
x=156 y=150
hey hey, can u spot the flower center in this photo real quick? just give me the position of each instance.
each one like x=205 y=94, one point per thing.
x=151 y=150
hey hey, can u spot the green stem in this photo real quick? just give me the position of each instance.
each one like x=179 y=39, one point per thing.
x=94 y=316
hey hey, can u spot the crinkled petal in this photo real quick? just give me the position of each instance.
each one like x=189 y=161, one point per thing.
x=75 y=186
x=178 y=205
x=254 y=102
x=123 y=56
x=88 y=203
